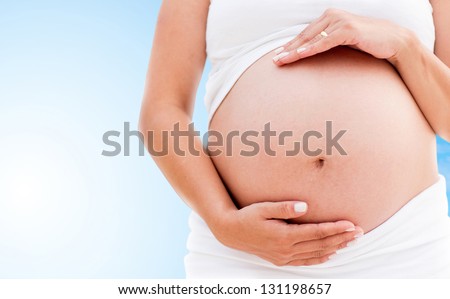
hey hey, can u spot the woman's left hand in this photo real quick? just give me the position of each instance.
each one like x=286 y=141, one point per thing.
x=381 y=38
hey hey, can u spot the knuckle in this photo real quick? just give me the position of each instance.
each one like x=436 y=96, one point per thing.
x=314 y=48
x=318 y=235
x=313 y=40
x=302 y=36
x=349 y=24
x=288 y=44
x=319 y=232
x=331 y=11
x=328 y=11
x=307 y=36
x=285 y=209
x=318 y=253
x=324 y=244
x=320 y=245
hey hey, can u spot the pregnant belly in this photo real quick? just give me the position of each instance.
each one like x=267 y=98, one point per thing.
x=339 y=130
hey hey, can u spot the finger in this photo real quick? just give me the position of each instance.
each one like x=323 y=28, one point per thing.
x=314 y=47
x=283 y=259
x=305 y=36
x=315 y=231
x=294 y=54
x=322 y=45
x=282 y=209
x=310 y=262
x=318 y=252
x=329 y=242
x=289 y=55
x=309 y=35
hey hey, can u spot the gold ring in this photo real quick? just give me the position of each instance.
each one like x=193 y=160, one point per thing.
x=324 y=34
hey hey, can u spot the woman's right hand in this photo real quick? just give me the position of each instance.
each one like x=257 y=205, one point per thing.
x=261 y=229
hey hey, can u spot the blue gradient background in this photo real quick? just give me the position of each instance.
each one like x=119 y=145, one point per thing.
x=69 y=71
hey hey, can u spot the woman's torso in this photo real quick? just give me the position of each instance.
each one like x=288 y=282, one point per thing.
x=386 y=155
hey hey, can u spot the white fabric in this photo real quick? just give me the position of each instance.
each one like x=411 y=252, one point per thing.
x=413 y=243
x=239 y=32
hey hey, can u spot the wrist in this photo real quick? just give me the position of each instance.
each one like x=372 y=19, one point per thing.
x=222 y=221
x=407 y=44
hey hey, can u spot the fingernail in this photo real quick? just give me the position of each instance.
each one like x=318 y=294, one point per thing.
x=300 y=50
x=281 y=55
x=351 y=229
x=300 y=207
x=332 y=256
x=279 y=50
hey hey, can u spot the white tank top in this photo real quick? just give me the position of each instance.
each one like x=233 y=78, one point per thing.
x=239 y=32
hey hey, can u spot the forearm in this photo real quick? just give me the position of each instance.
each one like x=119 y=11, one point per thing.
x=428 y=80
x=193 y=176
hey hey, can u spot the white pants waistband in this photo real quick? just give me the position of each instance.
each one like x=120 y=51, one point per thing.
x=413 y=243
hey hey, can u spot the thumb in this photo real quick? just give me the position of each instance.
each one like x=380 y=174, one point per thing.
x=283 y=209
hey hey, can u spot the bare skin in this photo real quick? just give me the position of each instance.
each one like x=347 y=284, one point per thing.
x=363 y=95
x=426 y=75
x=258 y=228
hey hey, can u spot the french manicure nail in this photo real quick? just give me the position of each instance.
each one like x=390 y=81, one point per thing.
x=351 y=229
x=300 y=50
x=281 y=55
x=300 y=207
x=279 y=50
x=332 y=256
